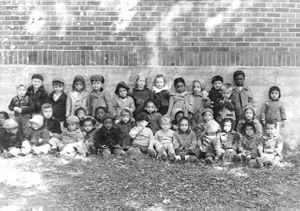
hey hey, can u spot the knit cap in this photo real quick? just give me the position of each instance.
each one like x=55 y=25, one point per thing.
x=58 y=80
x=79 y=78
x=9 y=124
x=38 y=76
x=212 y=126
x=121 y=85
x=97 y=78
x=274 y=88
x=73 y=119
x=108 y=116
x=142 y=117
x=207 y=110
x=217 y=78
x=37 y=119
x=249 y=107
x=126 y=110
x=238 y=72
x=46 y=105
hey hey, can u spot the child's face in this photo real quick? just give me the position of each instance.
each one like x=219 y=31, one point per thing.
x=100 y=113
x=143 y=123
x=208 y=116
x=274 y=95
x=141 y=82
x=217 y=85
x=2 y=119
x=249 y=114
x=97 y=85
x=191 y=116
x=184 y=125
x=78 y=86
x=160 y=83
x=249 y=131
x=125 y=117
x=21 y=91
x=122 y=92
x=227 y=127
x=12 y=131
x=239 y=80
x=150 y=107
x=72 y=126
x=270 y=129
x=88 y=126
x=108 y=123
x=197 y=87
x=226 y=93
x=179 y=116
x=37 y=83
x=166 y=125
x=180 y=87
x=58 y=87
x=47 y=113
x=34 y=126
x=81 y=114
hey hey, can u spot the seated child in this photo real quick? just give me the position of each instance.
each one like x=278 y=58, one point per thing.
x=151 y=107
x=11 y=139
x=99 y=113
x=37 y=140
x=107 y=138
x=71 y=137
x=124 y=126
x=81 y=114
x=184 y=141
x=225 y=105
x=123 y=100
x=23 y=107
x=165 y=137
x=209 y=142
x=50 y=122
x=208 y=116
x=175 y=123
x=215 y=94
x=89 y=132
x=247 y=147
x=3 y=116
x=270 y=149
x=249 y=116
x=143 y=140
x=229 y=140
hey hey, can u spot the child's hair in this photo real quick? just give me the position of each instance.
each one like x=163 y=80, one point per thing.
x=21 y=85
x=165 y=119
x=217 y=78
x=227 y=86
x=271 y=122
x=227 y=120
x=76 y=79
x=177 y=113
x=159 y=76
x=238 y=72
x=121 y=85
x=248 y=124
x=89 y=119
x=274 y=88
x=138 y=78
x=5 y=114
x=197 y=81
x=79 y=109
x=179 y=80
x=101 y=107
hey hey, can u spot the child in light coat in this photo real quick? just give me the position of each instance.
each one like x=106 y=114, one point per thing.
x=225 y=105
x=123 y=99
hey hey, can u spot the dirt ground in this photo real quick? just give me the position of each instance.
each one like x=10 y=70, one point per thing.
x=46 y=182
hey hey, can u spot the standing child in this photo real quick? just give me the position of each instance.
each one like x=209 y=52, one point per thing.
x=23 y=106
x=78 y=97
x=124 y=126
x=209 y=142
x=123 y=99
x=247 y=147
x=58 y=100
x=215 y=94
x=241 y=95
x=37 y=140
x=181 y=99
x=165 y=137
x=225 y=105
x=89 y=132
x=151 y=107
x=99 y=97
x=200 y=101
x=108 y=138
x=273 y=109
x=99 y=113
x=184 y=141
x=143 y=140
x=270 y=149
x=229 y=140
x=37 y=92
x=249 y=116
x=161 y=94
x=140 y=93
x=50 y=122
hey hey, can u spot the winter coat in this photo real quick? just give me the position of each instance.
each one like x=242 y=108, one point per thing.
x=139 y=98
x=273 y=110
x=100 y=99
x=39 y=97
x=59 y=106
x=109 y=138
x=25 y=103
x=34 y=136
x=53 y=125
x=74 y=102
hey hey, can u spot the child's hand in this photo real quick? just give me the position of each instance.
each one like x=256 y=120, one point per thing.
x=263 y=122
x=283 y=124
x=204 y=95
x=17 y=109
x=40 y=140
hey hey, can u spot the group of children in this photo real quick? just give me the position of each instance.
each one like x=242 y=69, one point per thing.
x=187 y=126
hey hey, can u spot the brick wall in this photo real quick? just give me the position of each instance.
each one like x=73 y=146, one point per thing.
x=150 y=32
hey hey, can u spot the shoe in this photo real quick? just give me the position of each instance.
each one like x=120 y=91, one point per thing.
x=268 y=164
x=244 y=158
x=35 y=154
x=53 y=151
x=8 y=155
x=193 y=159
x=164 y=157
x=186 y=158
x=257 y=164
x=235 y=159
x=23 y=154
x=208 y=160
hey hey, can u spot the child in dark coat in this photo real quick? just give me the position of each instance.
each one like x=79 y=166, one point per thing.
x=151 y=107
x=215 y=94
x=140 y=93
x=37 y=92
x=161 y=93
x=50 y=122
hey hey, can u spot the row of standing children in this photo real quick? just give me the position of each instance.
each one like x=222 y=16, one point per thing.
x=183 y=123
